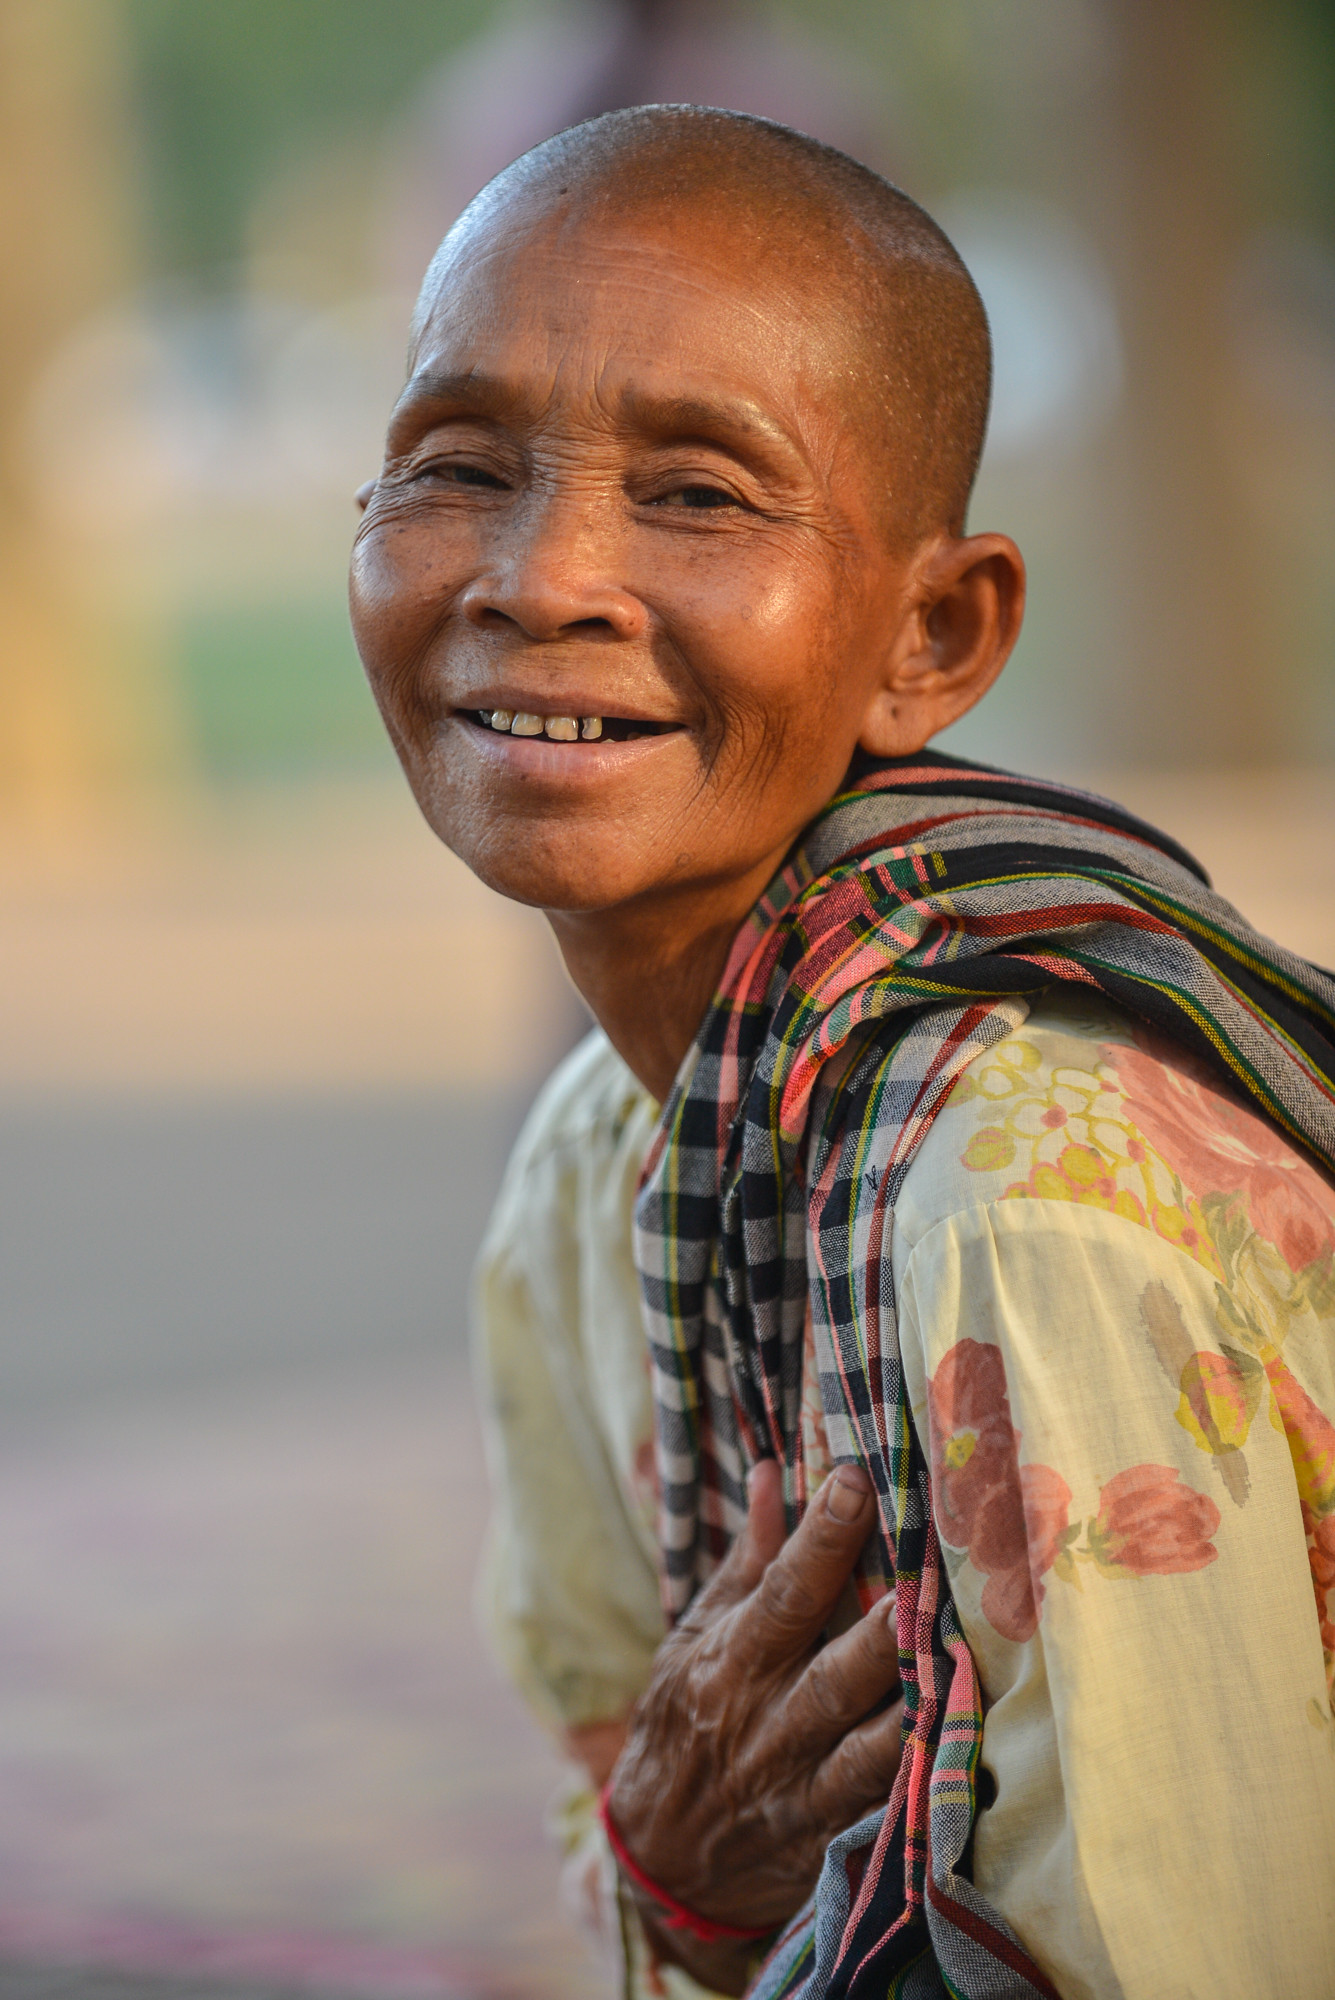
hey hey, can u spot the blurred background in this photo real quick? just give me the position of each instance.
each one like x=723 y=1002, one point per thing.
x=264 y=1043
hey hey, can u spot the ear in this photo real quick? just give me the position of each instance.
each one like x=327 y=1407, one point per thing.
x=960 y=617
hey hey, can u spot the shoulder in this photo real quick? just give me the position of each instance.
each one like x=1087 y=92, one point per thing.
x=580 y=1146
x=1083 y=1106
x=590 y=1097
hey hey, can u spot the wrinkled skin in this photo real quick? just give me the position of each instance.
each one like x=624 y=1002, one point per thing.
x=754 y=1745
x=628 y=477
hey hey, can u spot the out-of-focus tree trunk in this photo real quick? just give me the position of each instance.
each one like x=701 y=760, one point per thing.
x=1205 y=682
x=75 y=717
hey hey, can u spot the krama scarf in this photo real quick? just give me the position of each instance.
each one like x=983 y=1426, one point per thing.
x=907 y=933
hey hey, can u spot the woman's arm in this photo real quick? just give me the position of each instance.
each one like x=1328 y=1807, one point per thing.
x=1118 y=1457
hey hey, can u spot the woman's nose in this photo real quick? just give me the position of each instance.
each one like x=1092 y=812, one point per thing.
x=554 y=571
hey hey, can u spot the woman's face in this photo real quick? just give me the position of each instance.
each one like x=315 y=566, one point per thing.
x=624 y=493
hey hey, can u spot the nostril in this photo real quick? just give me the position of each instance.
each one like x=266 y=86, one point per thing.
x=544 y=607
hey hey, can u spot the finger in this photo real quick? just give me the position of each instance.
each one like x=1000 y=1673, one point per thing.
x=844 y=1683
x=859 y=1773
x=362 y=497
x=766 y=1528
x=753 y=1551
x=801 y=1586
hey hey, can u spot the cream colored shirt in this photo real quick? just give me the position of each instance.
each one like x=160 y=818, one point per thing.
x=1116 y=1291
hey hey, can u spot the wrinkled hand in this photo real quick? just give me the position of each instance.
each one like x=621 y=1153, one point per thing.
x=753 y=1745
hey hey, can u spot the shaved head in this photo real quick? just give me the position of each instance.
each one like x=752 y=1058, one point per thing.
x=669 y=525
x=918 y=376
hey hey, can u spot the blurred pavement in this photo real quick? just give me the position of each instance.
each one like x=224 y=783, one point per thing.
x=259 y=1079
x=249 y=1732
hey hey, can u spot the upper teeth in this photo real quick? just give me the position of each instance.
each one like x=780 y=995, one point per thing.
x=563 y=728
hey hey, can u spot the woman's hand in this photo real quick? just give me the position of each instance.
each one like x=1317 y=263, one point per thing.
x=753 y=1746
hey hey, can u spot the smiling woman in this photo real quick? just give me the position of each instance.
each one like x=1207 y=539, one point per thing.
x=630 y=481
x=662 y=591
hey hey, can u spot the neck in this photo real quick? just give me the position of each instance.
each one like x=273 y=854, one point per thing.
x=649 y=969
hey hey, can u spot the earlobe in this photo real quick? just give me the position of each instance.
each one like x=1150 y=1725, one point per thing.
x=882 y=732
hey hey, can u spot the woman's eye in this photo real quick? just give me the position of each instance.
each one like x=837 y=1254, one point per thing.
x=701 y=498
x=453 y=473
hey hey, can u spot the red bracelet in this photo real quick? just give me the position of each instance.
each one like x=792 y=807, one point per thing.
x=675 y=1915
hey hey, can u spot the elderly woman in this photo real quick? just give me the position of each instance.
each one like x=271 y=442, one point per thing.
x=985 y=1238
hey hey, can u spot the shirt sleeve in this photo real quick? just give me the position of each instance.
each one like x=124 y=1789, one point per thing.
x=569 y=1588
x=1118 y=1491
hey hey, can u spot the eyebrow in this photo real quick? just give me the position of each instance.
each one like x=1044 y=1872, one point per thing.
x=470 y=391
x=724 y=421
x=716 y=420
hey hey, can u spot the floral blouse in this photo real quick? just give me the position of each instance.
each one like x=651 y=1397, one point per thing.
x=1116 y=1290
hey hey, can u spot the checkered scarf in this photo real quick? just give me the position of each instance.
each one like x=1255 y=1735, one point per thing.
x=905 y=935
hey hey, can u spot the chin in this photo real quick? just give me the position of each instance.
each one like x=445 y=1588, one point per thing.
x=566 y=870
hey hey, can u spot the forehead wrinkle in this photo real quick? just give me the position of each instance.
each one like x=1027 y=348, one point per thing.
x=691 y=414
x=775 y=293
x=665 y=265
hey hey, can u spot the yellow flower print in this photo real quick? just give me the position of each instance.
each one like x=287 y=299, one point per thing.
x=1187 y=1229
x=1000 y=1076
x=1046 y=1182
x=1017 y=1055
x=1083 y=1173
x=989 y=1150
x=1079 y=1173
x=959 y=1449
x=1220 y=1396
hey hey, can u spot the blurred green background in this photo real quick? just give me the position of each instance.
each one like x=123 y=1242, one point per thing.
x=248 y=192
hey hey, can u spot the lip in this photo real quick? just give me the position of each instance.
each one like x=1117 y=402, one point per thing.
x=565 y=763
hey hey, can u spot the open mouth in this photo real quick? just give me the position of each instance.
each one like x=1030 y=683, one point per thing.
x=568 y=728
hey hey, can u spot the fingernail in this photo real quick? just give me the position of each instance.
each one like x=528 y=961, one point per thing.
x=847 y=1492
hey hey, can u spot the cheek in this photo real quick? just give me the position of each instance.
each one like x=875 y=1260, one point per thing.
x=399 y=588
x=770 y=584
x=772 y=652
x=796 y=603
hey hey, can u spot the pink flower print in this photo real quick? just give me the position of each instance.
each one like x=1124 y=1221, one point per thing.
x=1009 y=1521
x=1217 y=1146
x=973 y=1445
x=1149 y=1524
x=1311 y=1440
x=1321 y=1555
x=1047 y=1506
